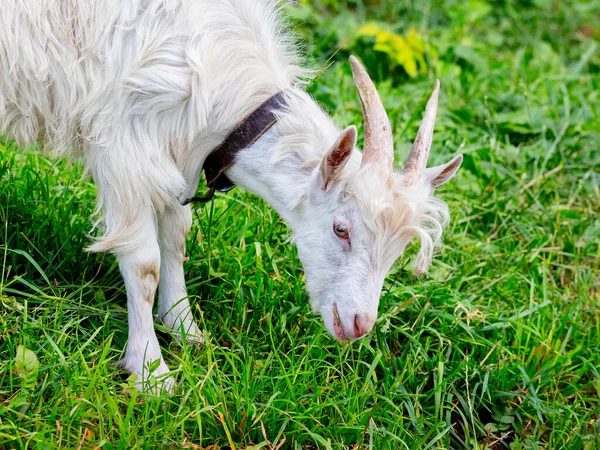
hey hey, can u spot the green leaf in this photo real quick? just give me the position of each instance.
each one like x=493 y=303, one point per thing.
x=523 y=121
x=470 y=55
x=27 y=366
x=99 y=296
x=469 y=12
x=154 y=365
x=491 y=428
x=214 y=274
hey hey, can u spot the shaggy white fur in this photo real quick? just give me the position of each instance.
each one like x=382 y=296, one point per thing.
x=143 y=90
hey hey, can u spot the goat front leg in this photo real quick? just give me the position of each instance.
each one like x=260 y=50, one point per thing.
x=139 y=263
x=173 y=306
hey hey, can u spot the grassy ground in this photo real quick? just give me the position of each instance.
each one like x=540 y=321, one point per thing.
x=499 y=347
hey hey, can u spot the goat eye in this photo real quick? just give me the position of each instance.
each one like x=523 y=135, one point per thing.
x=340 y=230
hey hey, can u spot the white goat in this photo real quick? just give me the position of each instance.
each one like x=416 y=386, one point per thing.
x=144 y=90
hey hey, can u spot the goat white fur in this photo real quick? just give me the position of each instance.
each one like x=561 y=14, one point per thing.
x=143 y=90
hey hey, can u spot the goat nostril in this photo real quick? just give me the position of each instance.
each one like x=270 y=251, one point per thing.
x=362 y=325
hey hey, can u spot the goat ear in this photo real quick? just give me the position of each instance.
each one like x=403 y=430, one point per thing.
x=336 y=158
x=436 y=176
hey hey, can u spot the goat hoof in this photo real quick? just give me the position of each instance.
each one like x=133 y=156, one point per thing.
x=157 y=382
x=184 y=329
x=156 y=385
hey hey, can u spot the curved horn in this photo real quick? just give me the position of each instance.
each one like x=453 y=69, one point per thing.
x=379 y=143
x=419 y=153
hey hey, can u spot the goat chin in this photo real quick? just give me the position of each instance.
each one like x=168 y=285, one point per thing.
x=143 y=90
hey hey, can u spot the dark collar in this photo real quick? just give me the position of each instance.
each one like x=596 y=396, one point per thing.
x=243 y=136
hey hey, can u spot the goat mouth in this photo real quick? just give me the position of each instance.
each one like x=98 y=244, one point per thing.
x=337 y=324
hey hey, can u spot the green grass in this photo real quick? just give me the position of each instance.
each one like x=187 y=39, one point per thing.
x=499 y=347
